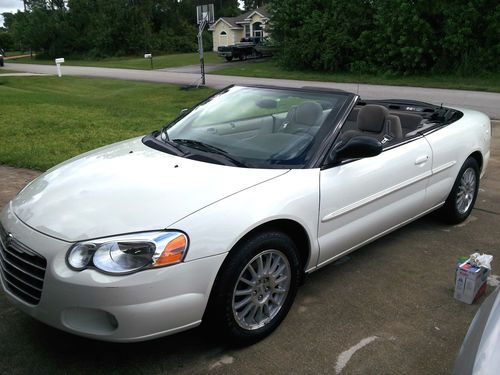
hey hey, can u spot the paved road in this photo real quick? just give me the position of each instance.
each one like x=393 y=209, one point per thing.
x=488 y=103
x=209 y=67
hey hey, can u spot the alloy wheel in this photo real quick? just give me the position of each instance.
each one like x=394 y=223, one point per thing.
x=261 y=289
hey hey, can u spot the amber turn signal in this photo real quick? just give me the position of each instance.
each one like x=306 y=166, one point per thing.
x=173 y=252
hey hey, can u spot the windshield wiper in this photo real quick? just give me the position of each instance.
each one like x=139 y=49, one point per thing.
x=198 y=145
x=169 y=144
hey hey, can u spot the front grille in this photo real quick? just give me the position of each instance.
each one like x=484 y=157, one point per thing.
x=21 y=269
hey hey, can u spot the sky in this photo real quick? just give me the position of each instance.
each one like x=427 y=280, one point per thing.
x=9 y=6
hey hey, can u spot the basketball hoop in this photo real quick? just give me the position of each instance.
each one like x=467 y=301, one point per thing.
x=205 y=13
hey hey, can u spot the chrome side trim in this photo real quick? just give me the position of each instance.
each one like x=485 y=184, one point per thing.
x=444 y=167
x=355 y=247
x=376 y=196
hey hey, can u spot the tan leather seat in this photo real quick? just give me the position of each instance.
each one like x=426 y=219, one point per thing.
x=376 y=122
x=302 y=117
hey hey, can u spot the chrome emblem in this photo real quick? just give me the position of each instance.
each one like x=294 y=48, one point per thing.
x=12 y=244
x=9 y=239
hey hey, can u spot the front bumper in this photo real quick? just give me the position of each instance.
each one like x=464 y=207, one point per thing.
x=135 y=307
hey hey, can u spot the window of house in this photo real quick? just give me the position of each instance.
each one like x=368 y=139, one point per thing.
x=257 y=29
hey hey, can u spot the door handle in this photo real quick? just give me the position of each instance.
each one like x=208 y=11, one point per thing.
x=421 y=159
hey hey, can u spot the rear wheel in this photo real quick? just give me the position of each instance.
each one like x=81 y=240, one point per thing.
x=255 y=288
x=229 y=58
x=462 y=197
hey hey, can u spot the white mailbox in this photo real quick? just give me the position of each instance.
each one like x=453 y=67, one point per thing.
x=59 y=61
x=149 y=56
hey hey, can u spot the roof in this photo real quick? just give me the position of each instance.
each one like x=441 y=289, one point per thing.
x=237 y=22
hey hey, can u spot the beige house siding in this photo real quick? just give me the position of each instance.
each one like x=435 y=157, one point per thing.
x=219 y=28
x=233 y=33
x=237 y=35
x=232 y=36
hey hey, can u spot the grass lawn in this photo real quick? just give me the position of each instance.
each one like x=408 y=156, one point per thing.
x=268 y=69
x=15 y=53
x=46 y=120
x=159 y=62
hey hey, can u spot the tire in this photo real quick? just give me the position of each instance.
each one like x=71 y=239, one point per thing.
x=462 y=197
x=229 y=58
x=242 y=57
x=247 y=311
x=1 y=63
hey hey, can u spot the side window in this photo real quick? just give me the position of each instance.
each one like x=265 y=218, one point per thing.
x=378 y=122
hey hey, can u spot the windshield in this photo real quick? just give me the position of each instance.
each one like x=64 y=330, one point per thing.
x=257 y=127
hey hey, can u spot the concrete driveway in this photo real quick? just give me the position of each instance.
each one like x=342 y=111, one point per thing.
x=387 y=308
x=488 y=103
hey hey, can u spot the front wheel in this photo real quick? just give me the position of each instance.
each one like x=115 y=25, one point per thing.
x=462 y=197
x=255 y=288
x=229 y=58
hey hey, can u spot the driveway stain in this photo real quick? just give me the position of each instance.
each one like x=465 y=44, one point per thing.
x=223 y=361
x=345 y=356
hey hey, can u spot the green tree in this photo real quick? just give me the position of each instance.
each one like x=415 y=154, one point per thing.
x=471 y=35
x=401 y=40
x=6 y=41
x=254 y=4
x=319 y=34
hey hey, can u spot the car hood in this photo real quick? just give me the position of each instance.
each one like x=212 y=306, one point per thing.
x=124 y=188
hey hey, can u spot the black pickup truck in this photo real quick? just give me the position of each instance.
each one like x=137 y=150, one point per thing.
x=246 y=48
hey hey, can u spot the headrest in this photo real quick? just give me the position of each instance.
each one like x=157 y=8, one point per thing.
x=371 y=118
x=308 y=113
x=394 y=129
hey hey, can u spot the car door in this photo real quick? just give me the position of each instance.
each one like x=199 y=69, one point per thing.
x=362 y=199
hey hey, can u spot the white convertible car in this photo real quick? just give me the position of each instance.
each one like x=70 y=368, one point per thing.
x=217 y=217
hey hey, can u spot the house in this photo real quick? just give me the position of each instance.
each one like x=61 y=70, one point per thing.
x=229 y=30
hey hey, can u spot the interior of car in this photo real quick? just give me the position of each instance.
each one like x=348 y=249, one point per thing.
x=265 y=125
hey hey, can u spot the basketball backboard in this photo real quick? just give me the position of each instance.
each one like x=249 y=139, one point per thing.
x=205 y=13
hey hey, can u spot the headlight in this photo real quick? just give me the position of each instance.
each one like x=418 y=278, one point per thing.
x=129 y=253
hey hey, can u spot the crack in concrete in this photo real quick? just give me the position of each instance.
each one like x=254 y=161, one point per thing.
x=487 y=211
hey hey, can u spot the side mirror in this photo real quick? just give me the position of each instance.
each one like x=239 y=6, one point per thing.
x=183 y=111
x=356 y=148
